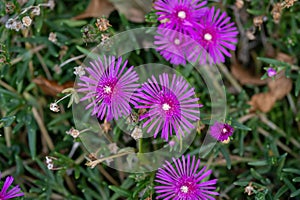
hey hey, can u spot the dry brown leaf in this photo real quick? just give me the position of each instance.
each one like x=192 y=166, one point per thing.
x=278 y=89
x=51 y=88
x=285 y=58
x=262 y=101
x=134 y=10
x=97 y=8
x=245 y=77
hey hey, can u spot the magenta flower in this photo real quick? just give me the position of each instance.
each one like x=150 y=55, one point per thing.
x=184 y=181
x=220 y=131
x=180 y=15
x=271 y=72
x=171 y=105
x=217 y=35
x=14 y=192
x=172 y=45
x=110 y=87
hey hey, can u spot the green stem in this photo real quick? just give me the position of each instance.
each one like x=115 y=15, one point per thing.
x=141 y=145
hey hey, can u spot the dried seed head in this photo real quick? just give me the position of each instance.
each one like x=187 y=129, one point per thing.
x=52 y=37
x=102 y=24
x=36 y=11
x=54 y=107
x=276 y=17
x=106 y=41
x=9 y=23
x=17 y=25
x=137 y=133
x=249 y=189
x=73 y=132
x=92 y=156
x=79 y=71
x=133 y=118
x=239 y=4
x=289 y=3
x=26 y=21
x=276 y=12
x=258 y=21
x=9 y=7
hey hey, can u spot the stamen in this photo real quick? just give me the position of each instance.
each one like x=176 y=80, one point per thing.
x=177 y=41
x=207 y=36
x=166 y=107
x=107 y=89
x=184 y=189
x=181 y=14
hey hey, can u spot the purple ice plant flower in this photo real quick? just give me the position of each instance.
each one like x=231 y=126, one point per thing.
x=217 y=35
x=110 y=86
x=221 y=131
x=185 y=181
x=171 y=105
x=13 y=193
x=178 y=48
x=180 y=15
x=271 y=72
x=172 y=45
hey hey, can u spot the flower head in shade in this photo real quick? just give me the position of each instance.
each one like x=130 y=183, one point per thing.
x=13 y=193
x=184 y=181
x=271 y=72
x=220 y=131
x=171 y=105
x=180 y=15
x=171 y=45
x=110 y=86
x=217 y=35
x=177 y=48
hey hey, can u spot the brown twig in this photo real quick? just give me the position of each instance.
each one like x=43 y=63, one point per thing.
x=7 y=132
x=44 y=66
x=8 y=87
x=70 y=184
x=12 y=169
x=274 y=127
x=234 y=160
x=246 y=117
x=107 y=176
x=229 y=77
x=34 y=50
x=41 y=125
x=71 y=60
x=92 y=164
x=280 y=144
